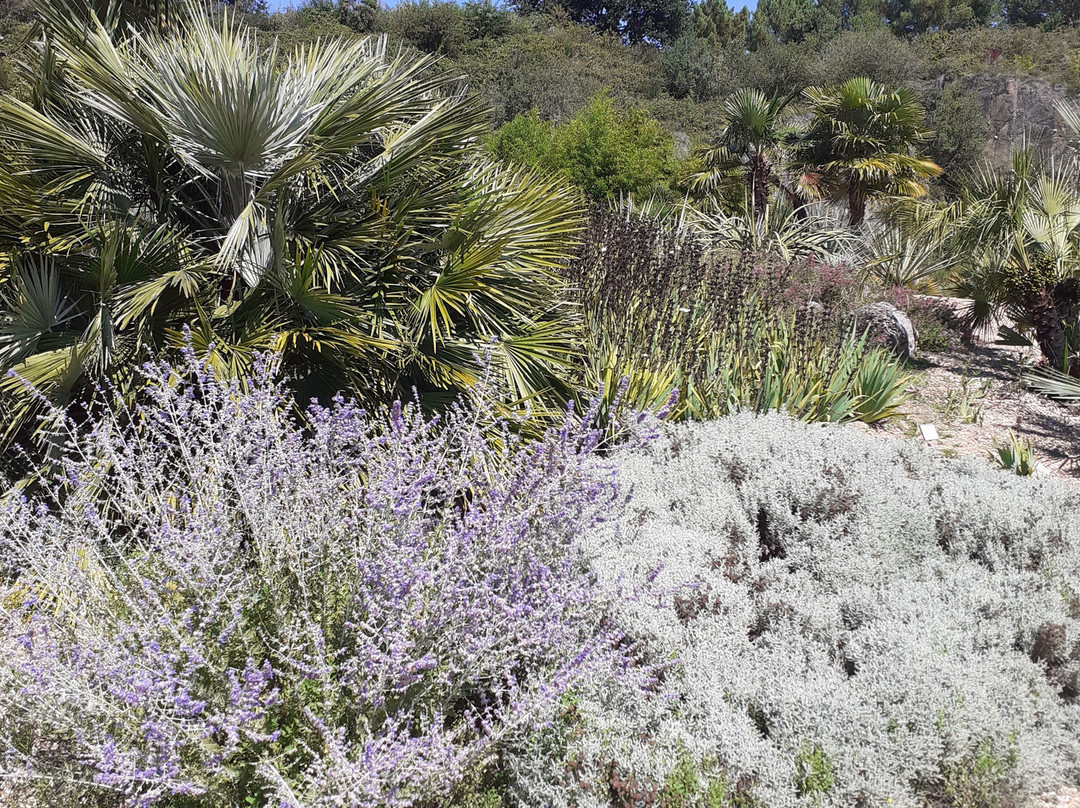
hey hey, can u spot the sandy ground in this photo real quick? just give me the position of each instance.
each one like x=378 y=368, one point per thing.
x=1067 y=797
x=973 y=397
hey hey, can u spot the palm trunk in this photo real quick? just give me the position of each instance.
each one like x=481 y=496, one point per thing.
x=760 y=170
x=856 y=206
x=1047 y=308
x=798 y=204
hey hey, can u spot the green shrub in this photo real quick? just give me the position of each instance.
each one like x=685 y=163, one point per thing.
x=608 y=152
x=980 y=779
x=431 y=26
x=937 y=325
x=933 y=335
x=875 y=54
x=960 y=134
x=556 y=68
x=605 y=152
x=682 y=788
x=813 y=772
x=526 y=140
x=690 y=67
x=775 y=69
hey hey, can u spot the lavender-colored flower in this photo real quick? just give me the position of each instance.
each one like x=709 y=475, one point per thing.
x=219 y=603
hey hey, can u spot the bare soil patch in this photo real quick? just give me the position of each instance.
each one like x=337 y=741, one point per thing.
x=973 y=396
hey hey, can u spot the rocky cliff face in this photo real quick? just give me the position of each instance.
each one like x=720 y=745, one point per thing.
x=1016 y=109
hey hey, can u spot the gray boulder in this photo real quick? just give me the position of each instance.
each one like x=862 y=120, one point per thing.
x=885 y=324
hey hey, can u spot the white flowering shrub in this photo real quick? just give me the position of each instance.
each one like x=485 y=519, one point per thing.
x=847 y=622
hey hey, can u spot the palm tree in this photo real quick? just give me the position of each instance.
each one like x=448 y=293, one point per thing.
x=1018 y=235
x=187 y=184
x=748 y=147
x=861 y=145
x=1033 y=210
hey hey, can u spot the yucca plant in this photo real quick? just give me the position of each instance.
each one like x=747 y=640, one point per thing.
x=787 y=232
x=186 y=182
x=810 y=380
x=1017 y=456
x=911 y=247
x=879 y=387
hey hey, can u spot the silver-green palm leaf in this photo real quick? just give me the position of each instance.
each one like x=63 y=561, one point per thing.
x=185 y=181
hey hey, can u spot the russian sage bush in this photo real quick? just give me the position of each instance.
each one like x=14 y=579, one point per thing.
x=211 y=606
x=849 y=621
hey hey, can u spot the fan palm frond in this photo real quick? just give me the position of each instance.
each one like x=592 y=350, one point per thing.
x=1055 y=384
x=861 y=144
x=185 y=181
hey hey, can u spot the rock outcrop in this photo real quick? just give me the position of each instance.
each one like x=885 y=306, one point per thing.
x=888 y=326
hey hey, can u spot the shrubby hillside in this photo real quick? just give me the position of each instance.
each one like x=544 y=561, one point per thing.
x=991 y=77
x=967 y=65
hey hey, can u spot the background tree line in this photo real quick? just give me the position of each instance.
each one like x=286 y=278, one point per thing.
x=675 y=60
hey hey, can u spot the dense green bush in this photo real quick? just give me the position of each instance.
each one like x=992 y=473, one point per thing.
x=773 y=68
x=431 y=26
x=557 y=68
x=603 y=150
x=691 y=67
x=873 y=53
x=960 y=132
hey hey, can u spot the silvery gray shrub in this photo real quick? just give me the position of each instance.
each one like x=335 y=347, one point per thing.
x=848 y=621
